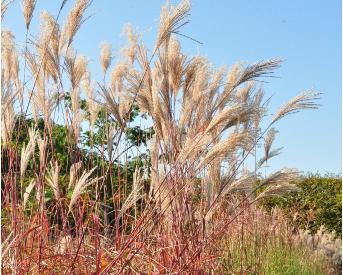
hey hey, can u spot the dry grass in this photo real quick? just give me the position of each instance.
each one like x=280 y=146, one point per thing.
x=170 y=216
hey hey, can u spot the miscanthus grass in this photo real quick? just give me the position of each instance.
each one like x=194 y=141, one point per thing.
x=87 y=191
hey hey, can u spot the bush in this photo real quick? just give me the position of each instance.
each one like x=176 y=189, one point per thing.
x=319 y=203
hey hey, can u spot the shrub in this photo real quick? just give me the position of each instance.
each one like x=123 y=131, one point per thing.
x=319 y=203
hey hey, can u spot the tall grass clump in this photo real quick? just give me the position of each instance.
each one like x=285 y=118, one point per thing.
x=87 y=189
x=263 y=243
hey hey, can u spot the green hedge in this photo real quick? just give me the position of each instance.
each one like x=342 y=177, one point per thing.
x=318 y=203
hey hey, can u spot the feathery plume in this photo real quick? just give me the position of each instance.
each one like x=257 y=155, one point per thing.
x=76 y=120
x=278 y=190
x=52 y=179
x=193 y=146
x=171 y=20
x=241 y=140
x=28 y=7
x=303 y=101
x=263 y=68
x=74 y=21
x=283 y=176
x=244 y=183
x=9 y=58
x=176 y=63
x=93 y=105
x=117 y=78
x=270 y=137
x=132 y=37
x=258 y=102
x=105 y=56
x=267 y=147
x=42 y=143
x=48 y=46
x=111 y=105
x=231 y=115
x=271 y=154
x=28 y=190
x=82 y=183
x=4 y=7
x=135 y=194
x=27 y=151
x=76 y=67
x=7 y=116
x=74 y=168
x=110 y=136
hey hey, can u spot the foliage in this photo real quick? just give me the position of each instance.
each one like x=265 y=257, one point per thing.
x=283 y=259
x=267 y=246
x=319 y=203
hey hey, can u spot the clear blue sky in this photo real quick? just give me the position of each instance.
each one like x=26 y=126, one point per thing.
x=307 y=34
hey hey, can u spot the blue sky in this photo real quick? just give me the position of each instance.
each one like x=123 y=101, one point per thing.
x=307 y=34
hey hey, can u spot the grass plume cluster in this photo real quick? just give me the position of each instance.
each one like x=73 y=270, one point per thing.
x=86 y=191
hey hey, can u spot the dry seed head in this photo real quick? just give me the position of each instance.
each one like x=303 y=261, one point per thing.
x=74 y=168
x=245 y=183
x=74 y=21
x=52 y=179
x=81 y=63
x=42 y=143
x=270 y=155
x=4 y=7
x=258 y=102
x=110 y=136
x=132 y=37
x=50 y=63
x=10 y=63
x=231 y=115
x=282 y=176
x=49 y=105
x=125 y=102
x=176 y=62
x=112 y=105
x=50 y=32
x=93 y=106
x=77 y=117
x=193 y=146
x=135 y=194
x=220 y=150
x=7 y=117
x=28 y=7
x=28 y=151
x=117 y=78
x=305 y=100
x=278 y=190
x=171 y=19
x=233 y=74
x=76 y=67
x=244 y=93
x=34 y=107
x=270 y=137
x=105 y=56
x=263 y=68
x=28 y=190
x=81 y=185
